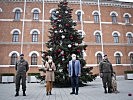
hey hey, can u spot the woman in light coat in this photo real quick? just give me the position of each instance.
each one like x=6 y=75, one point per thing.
x=50 y=77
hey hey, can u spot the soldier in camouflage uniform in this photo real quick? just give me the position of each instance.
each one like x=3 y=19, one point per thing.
x=106 y=71
x=21 y=68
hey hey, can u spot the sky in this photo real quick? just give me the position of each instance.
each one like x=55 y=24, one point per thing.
x=125 y=0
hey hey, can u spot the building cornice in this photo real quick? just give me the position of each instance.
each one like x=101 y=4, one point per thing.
x=85 y=22
x=103 y=3
x=87 y=43
x=87 y=65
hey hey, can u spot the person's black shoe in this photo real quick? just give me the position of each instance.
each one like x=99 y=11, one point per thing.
x=50 y=93
x=24 y=94
x=17 y=94
x=109 y=92
x=105 y=92
x=76 y=93
x=72 y=93
x=47 y=93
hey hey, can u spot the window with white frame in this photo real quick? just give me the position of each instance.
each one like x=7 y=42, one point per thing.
x=114 y=18
x=35 y=15
x=79 y=16
x=17 y=14
x=14 y=58
x=34 y=59
x=96 y=17
x=53 y=14
x=129 y=38
x=35 y=36
x=127 y=19
x=98 y=37
x=15 y=36
x=131 y=58
x=99 y=58
x=118 y=58
x=0 y=10
x=116 y=38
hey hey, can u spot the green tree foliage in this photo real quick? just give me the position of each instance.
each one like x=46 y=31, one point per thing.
x=65 y=40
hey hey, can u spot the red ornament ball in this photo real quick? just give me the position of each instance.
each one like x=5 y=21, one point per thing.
x=71 y=37
x=59 y=50
x=54 y=27
x=65 y=3
x=62 y=54
x=78 y=50
x=60 y=16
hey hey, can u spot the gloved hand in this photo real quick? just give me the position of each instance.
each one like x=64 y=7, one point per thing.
x=101 y=75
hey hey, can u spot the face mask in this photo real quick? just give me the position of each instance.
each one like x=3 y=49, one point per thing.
x=49 y=61
x=73 y=58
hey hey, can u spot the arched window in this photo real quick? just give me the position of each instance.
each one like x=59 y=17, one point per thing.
x=0 y=10
x=127 y=19
x=129 y=38
x=96 y=17
x=118 y=58
x=17 y=14
x=35 y=36
x=15 y=36
x=131 y=58
x=14 y=58
x=80 y=33
x=99 y=58
x=114 y=18
x=79 y=15
x=34 y=59
x=116 y=38
x=36 y=15
x=53 y=14
x=98 y=37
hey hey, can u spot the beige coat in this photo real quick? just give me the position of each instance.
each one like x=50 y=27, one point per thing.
x=50 y=74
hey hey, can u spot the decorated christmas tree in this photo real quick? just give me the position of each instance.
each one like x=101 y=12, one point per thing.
x=65 y=40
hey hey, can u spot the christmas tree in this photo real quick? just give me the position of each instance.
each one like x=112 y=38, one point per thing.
x=65 y=40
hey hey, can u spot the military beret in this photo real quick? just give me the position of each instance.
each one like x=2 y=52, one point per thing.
x=21 y=54
x=104 y=55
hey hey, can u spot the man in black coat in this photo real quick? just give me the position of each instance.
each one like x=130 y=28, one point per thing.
x=21 y=68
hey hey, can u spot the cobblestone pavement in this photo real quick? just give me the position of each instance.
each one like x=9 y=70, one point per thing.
x=94 y=91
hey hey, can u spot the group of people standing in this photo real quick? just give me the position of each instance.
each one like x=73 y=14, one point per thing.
x=74 y=71
x=22 y=67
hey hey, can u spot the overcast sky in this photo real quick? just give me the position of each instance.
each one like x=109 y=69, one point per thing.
x=126 y=0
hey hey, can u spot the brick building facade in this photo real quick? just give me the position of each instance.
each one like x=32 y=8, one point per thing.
x=107 y=27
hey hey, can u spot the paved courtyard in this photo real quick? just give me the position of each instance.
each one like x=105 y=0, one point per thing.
x=94 y=91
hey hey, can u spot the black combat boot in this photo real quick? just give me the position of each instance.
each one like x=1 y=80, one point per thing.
x=105 y=90
x=24 y=94
x=17 y=94
x=109 y=90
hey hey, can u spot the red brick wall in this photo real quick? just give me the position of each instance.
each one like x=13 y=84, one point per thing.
x=89 y=28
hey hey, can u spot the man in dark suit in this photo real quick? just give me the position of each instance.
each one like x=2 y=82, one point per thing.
x=74 y=73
